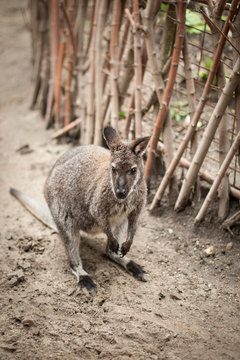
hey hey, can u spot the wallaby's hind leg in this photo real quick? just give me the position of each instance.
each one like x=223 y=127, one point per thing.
x=71 y=240
x=133 y=268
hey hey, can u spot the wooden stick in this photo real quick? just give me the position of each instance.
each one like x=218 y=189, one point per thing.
x=224 y=144
x=59 y=83
x=103 y=7
x=91 y=93
x=202 y=212
x=89 y=40
x=132 y=100
x=208 y=136
x=137 y=70
x=67 y=17
x=167 y=45
x=67 y=117
x=169 y=87
x=66 y=129
x=54 y=32
x=38 y=57
x=114 y=45
x=231 y=220
x=148 y=18
x=127 y=69
x=236 y=41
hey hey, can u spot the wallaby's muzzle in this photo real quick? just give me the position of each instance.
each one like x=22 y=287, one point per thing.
x=121 y=192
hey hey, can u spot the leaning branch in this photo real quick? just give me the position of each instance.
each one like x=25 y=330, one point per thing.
x=218 y=179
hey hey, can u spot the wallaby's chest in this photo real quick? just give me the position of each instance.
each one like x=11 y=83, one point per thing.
x=119 y=213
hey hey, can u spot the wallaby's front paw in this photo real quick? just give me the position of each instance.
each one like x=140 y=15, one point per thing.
x=136 y=270
x=125 y=248
x=113 y=246
x=86 y=281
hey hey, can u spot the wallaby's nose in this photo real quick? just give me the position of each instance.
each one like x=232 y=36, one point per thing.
x=121 y=192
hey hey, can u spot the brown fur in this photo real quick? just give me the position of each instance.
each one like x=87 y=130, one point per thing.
x=95 y=190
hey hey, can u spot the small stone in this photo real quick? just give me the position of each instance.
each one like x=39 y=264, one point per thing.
x=174 y=297
x=209 y=251
x=170 y=231
x=36 y=332
x=229 y=246
x=16 y=278
x=27 y=322
x=24 y=264
x=161 y=295
x=167 y=337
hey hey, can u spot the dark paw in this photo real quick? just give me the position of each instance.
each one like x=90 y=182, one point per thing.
x=113 y=246
x=86 y=282
x=125 y=248
x=136 y=270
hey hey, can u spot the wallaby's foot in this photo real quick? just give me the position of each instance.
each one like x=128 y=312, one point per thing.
x=136 y=270
x=86 y=281
x=132 y=268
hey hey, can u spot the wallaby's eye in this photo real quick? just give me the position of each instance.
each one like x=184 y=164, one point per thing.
x=133 y=171
x=113 y=169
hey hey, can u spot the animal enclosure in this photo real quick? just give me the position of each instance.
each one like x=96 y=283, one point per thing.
x=169 y=69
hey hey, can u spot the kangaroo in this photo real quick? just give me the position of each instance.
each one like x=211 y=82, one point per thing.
x=94 y=190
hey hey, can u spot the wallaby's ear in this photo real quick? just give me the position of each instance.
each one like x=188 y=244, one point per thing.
x=111 y=136
x=139 y=145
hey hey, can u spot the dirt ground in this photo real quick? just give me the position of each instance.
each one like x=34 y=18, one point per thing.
x=188 y=309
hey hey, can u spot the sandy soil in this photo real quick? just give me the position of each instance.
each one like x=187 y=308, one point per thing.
x=188 y=309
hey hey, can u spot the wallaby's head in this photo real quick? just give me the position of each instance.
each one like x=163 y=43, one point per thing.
x=126 y=166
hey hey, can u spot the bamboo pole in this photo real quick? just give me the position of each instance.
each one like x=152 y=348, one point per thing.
x=54 y=32
x=127 y=68
x=91 y=28
x=191 y=95
x=148 y=19
x=103 y=7
x=59 y=83
x=43 y=92
x=132 y=100
x=91 y=86
x=208 y=136
x=67 y=117
x=124 y=39
x=167 y=44
x=114 y=46
x=236 y=41
x=169 y=87
x=137 y=70
x=80 y=38
x=223 y=126
x=41 y=59
x=223 y=168
x=38 y=57
x=199 y=109
x=224 y=145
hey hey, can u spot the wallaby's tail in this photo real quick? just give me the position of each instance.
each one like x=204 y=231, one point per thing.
x=37 y=209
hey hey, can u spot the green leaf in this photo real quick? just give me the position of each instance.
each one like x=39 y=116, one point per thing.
x=122 y=114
